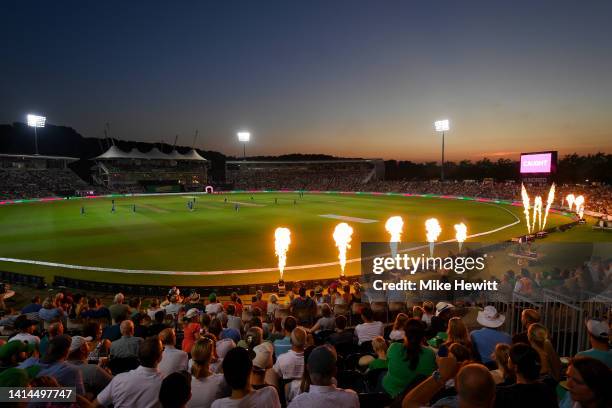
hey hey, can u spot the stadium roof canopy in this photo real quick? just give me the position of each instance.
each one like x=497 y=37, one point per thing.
x=114 y=153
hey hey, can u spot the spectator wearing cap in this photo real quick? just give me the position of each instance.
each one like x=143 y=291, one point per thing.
x=528 y=317
x=194 y=302
x=237 y=367
x=54 y=364
x=118 y=308
x=322 y=392
x=486 y=338
x=175 y=390
x=25 y=327
x=528 y=391
x=139 y=387
x=588 y=383
x=127 y=346
x=262 y=361
x=173 y=360
x=191 y=330
x=290 y=365
x=599 y=332
x=95 y=378
x=213 y=307
x=369 y=329
x=55 y=329
x=206 y=386
x=13 y=353
x=284 y=345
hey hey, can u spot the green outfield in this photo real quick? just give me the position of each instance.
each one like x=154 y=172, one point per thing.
x=163 y=235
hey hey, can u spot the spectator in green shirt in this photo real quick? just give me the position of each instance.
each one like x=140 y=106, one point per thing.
x=380 y=348
x=408 y=360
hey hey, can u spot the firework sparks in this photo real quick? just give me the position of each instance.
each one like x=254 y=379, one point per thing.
x=343 y=235
x=549 y=201
x=570 y=201
x=282 y=239
x=432 y=226
x=537 y=213
x=526 y=206
x=579 y=202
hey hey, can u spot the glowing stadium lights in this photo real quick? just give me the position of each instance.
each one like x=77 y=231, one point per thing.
x=343 y=235
x=282 y=239
x=442 y=126
x=36 y=121
x=244 y=137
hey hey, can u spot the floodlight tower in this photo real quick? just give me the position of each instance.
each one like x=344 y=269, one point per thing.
x=442 y=126
x=36 y=121
x=244 y=137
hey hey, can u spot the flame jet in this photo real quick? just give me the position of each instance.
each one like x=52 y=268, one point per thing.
x=433 y=229
x=282 y=239
x=460 y=234
x=343 y=235
x=394 y=226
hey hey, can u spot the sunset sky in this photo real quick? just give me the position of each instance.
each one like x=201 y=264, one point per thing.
x=348 y=78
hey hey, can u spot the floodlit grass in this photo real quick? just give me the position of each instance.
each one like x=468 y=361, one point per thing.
x=164 y=235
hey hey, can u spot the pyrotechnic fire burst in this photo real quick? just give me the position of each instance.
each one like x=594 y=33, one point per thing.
x=282 y=239
x=570 y=201
x=460 y=233
x=526 y=206
x=549 y=201
x=394 y=226
x=343 y=235
x=580 y=205
x=537 y=213
x=433 y=229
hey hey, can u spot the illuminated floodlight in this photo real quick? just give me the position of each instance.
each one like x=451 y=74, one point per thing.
x=244 y=136
x=36 y=121
x=442 y=125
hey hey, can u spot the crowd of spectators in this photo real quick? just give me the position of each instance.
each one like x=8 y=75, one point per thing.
x=316 y=347
x=34 y=183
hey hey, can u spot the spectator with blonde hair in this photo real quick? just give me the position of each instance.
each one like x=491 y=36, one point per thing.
x=457 y=332
x=502 y=374
x=380 y=348
x=397 y=332
x=206 y=386
x=538 y=338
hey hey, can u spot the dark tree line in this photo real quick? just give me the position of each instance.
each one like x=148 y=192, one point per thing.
x=65 y=141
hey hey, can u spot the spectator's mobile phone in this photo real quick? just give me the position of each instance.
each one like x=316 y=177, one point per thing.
x=443 y=351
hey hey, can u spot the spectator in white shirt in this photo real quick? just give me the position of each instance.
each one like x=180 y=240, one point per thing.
x=233 y=321
x=139 y=387
x=174 y=307
x=237 y=368
x=205 y=385
x=369 y=329
x=26 y=328
x=173 y=360
x=213 y=307
x=153 y=308
x=290 y=365
x=322 y=391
